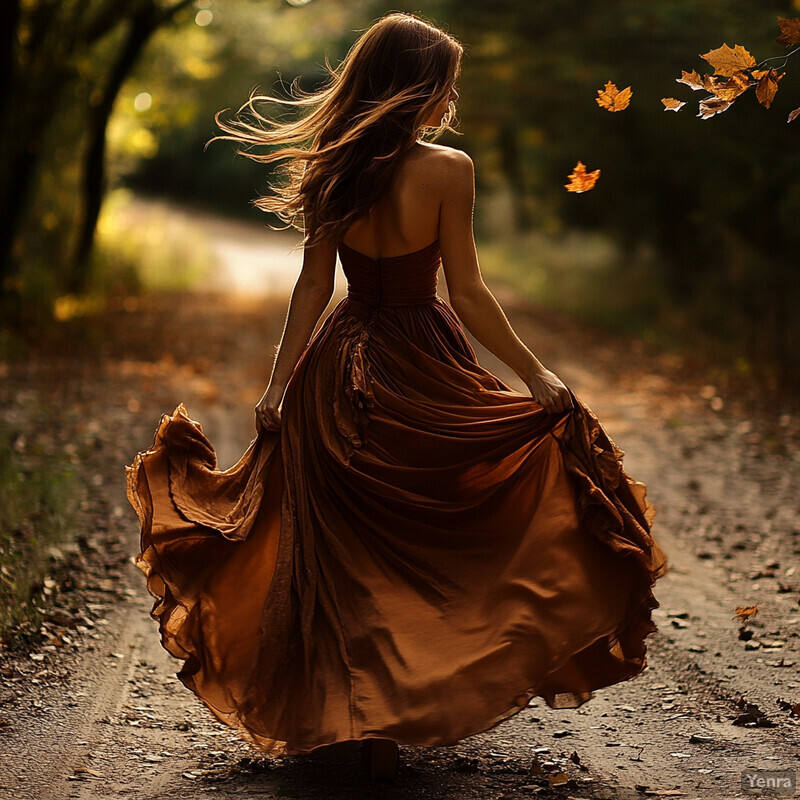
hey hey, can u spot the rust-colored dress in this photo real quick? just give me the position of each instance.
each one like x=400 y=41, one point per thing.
x=414 y=555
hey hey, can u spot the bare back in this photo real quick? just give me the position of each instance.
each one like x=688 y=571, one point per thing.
x=406 y=218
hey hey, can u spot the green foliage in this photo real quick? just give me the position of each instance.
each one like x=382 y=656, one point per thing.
x=713 y=205
x=142 y=247
x=246 y=44
x=63 y=68
x=580 y=274
x=716 y=201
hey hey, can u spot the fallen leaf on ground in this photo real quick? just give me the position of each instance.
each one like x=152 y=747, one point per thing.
x=754 y=720
x=87 y=771
x=794 y=115
x=745 y=612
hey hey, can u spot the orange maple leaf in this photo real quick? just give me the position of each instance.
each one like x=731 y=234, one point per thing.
x=691 y=79
x=767 y=86
x=729 y=60
x=580 y=180
x=731 y=88
x=745 y=612
x=671 y=104
x=790 y=31
x=612 y=99
x=794 y=115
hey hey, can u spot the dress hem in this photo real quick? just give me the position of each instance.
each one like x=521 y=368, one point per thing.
x=594 y=463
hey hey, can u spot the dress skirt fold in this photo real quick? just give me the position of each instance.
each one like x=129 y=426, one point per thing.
x=417 y=552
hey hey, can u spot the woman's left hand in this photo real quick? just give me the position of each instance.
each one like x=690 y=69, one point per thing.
x=550 y=392
x=268 y=414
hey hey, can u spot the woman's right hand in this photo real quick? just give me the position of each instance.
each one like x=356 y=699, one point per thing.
x=550 y=392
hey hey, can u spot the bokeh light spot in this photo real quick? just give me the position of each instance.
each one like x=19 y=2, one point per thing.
x=143 y=101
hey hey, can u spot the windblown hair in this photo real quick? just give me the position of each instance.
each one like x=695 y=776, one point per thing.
x=339 y=157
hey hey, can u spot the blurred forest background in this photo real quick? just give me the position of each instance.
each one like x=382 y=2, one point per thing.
x=691 y=237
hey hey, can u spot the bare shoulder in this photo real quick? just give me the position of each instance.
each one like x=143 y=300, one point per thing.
x=442 y=168
x=443 y=160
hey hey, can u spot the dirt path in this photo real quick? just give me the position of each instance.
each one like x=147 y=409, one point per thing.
x=98 y=713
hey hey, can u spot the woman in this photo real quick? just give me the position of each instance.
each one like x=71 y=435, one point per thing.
x=410 y=550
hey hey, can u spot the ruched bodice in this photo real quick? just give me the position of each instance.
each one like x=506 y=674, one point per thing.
x=403 y=280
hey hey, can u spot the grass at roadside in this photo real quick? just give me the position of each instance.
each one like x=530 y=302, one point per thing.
x=40 y=498
x=578 y=274
x=143 y=248
x=585 y=276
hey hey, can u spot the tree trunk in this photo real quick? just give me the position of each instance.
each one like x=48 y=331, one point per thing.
x=33 y=78
x=9 y=210
x=142 y=27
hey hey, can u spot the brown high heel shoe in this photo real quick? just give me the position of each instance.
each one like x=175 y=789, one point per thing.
x=380 y=758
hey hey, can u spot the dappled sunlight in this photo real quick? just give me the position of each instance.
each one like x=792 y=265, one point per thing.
x=69 y=306
x=164 y=246
x=145 y=245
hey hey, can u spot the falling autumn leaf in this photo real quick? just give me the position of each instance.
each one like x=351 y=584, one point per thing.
x=580 y=180
x=790 y=31
x=794 y=115
x=767 y=86
x=691 y=79
x=725 y=90
x=612 y=99
x=729 y=60
x=731 y=88
x=671 y=104
x=713 y=105
x=745 y=612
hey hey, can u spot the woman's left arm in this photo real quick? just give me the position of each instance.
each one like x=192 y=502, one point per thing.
x=310 y=296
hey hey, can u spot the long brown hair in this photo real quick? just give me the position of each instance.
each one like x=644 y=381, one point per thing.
x=339 y=157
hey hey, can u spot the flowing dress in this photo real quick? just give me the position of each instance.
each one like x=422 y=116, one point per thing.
x=417 y=552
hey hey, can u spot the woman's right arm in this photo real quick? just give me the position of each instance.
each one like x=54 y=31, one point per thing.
x=472 y=300
x=310 y=296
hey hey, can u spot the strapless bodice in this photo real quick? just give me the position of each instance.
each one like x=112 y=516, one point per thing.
x=404 y=280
